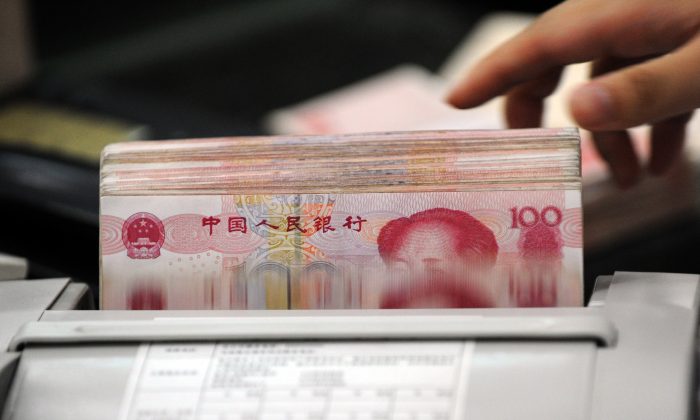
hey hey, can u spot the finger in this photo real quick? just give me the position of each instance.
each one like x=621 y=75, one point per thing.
x=527 y=56
x=608 y=64
x=561 y=37
x=667 y=139
x=615 y=147
x=525 y=103
x=642 y=93
x=620 y=155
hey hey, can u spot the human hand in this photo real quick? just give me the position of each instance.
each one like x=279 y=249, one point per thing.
x=646 y=69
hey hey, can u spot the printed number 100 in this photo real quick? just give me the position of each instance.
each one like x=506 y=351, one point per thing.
x=529 y=216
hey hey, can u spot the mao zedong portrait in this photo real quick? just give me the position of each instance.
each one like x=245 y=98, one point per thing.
x=437 y=258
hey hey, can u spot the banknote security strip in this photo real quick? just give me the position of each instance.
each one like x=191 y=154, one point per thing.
x=300 y=381
x=377 y=220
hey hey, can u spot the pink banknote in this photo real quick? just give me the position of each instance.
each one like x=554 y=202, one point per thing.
x=341 y=251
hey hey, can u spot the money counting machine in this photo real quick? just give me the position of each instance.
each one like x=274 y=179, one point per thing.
x=629 y=354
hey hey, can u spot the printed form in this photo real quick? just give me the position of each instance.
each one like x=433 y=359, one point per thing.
x=299 y=381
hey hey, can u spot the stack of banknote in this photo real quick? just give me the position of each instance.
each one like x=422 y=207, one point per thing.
x=378 y=220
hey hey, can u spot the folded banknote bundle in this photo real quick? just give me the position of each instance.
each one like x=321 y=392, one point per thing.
x=375 y=220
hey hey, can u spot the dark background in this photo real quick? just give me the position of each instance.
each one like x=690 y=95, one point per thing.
x=214 y=67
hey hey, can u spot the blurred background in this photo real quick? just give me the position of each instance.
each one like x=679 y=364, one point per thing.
x=77 y=74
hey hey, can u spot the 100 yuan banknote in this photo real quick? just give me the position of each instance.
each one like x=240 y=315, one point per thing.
x=339 y=251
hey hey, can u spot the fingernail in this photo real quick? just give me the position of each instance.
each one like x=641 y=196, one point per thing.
x=592 y=105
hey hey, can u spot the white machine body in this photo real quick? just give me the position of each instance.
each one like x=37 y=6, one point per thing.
x=629 y=354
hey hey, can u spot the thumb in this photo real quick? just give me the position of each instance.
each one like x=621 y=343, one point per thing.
x=651 y=91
